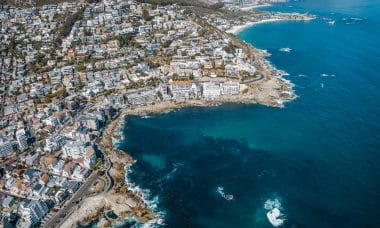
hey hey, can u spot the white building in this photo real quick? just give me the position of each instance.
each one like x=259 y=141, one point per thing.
x=210 y=90
x=73 y=149
x=89 y=158
x=33 y=210
x=230 y=88
x=22 y=139
x=5 y=148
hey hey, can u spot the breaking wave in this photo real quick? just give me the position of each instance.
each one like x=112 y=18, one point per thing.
x=170 y=175
x=145 y=195
x=353 y=20
x=221 y=192
x=327 y=75
x=274 y=214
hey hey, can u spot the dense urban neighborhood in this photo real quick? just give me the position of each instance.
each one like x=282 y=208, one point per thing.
x=67 y=70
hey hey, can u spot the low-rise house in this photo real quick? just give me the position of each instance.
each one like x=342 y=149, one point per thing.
x=44 y=179
x=80 y=173
x=68 y=169
x=60 y=196
x=7 y=201
x=58 y=167
x=89 y=157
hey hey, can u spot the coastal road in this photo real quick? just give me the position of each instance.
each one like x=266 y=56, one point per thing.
x=110 y=181
x=66 y=208
x=253 y=80
x=108 y=165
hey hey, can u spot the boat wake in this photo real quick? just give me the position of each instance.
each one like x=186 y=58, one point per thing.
x=288 y=50
x=274 y=215
x=220 y=190
x=176 y=166
x=329 y=21
x=327 y=75
x=353 y=20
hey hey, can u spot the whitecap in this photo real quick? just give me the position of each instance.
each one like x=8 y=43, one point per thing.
x=221 y=192
x=353 y=20
x=272 y=203
x=274 y=214
x=332 y=22
x=327 y=75
x=329 y=20
x=145 y=196
x=176 y=166
x=274 y=217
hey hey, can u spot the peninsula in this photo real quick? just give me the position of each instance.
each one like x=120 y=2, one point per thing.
x=72 y=71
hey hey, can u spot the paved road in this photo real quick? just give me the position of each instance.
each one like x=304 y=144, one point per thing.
x=110 y=181
x=69 y=205
x=254 y=80
x=17 y=195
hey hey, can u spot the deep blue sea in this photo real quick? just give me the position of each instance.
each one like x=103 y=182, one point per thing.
x=319 y=157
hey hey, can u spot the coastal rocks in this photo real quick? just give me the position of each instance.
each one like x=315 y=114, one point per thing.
x=104 y=223
x=117 y=198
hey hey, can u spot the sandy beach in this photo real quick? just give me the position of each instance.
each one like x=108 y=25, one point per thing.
x=255 y=7
x=238 y=28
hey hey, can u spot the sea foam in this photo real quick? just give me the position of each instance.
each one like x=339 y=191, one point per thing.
x=274 y=215
x=146 y=197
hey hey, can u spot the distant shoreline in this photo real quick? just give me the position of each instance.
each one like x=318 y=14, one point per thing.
x=238 y=28
x=255 y=7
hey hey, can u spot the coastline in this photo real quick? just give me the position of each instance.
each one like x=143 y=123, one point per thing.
x=119 y=198
x=129 y=201
x=255 y=7
x=236 y=29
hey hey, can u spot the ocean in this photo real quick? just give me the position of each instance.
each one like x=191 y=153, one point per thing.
x=316 y=160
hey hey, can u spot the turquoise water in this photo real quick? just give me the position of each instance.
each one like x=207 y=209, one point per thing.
x=319 y=156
